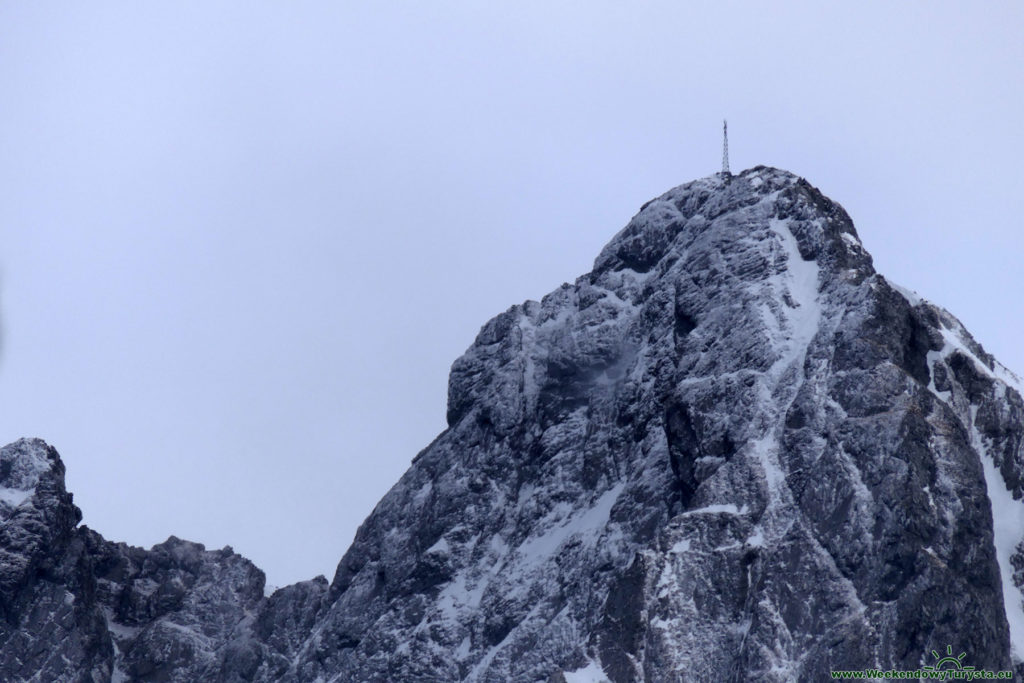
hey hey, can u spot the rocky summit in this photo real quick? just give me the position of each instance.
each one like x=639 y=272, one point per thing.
x=731 y=452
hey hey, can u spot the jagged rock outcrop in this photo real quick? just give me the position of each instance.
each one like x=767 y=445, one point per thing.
x=731 y=452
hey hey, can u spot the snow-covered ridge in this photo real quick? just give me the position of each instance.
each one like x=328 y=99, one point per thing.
x=1007 y=508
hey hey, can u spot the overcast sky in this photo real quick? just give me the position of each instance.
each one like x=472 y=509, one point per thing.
x=241 y=243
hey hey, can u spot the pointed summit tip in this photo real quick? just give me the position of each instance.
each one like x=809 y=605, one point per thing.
x=725 y=150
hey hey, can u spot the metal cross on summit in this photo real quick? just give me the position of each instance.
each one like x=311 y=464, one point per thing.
x=725 y=149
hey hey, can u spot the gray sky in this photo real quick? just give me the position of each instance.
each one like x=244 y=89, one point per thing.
x=242 y=242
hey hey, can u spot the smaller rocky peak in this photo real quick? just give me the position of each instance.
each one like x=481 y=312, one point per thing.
x=32 y=481
x=37 y=515
x=23 y=465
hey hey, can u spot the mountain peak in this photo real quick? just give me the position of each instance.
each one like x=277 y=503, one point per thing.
x=732 y=451
x=727 y=213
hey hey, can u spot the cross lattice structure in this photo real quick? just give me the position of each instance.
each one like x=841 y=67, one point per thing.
x=725 y=149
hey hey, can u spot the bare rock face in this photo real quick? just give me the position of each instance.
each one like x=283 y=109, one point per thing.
x=731 y=452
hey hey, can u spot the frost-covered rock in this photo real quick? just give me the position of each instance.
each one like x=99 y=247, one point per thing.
x=730 y=452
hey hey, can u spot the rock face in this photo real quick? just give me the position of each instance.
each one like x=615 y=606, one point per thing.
x=731 y=452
